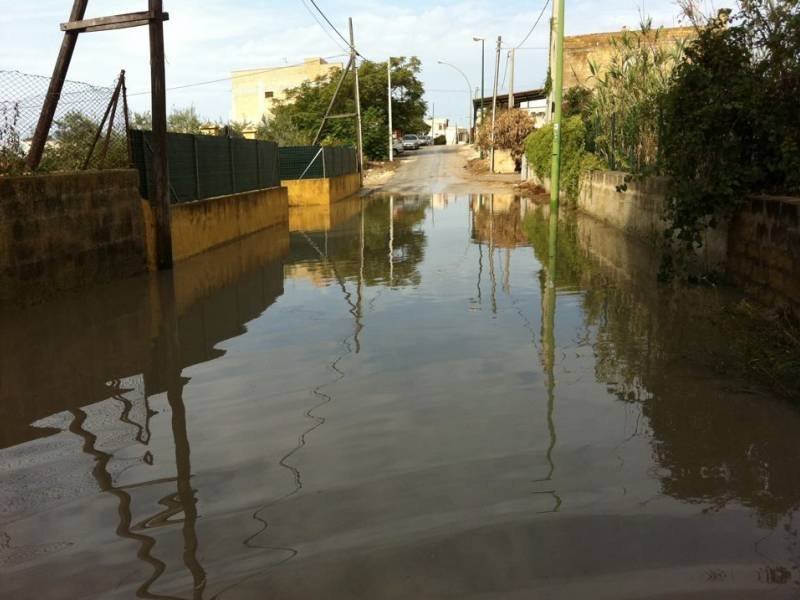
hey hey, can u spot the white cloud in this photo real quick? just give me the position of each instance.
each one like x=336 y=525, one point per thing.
x=206 y=40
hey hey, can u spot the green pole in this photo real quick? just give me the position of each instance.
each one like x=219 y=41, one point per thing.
x=558 y=93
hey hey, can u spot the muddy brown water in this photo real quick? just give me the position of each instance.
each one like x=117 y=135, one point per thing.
x=387 y=402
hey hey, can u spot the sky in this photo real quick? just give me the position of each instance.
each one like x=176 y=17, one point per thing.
x=207 y=39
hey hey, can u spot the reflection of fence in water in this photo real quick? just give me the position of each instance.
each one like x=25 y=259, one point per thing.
x=78 y=117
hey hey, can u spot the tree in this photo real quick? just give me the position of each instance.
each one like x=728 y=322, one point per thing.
x=730 y=124
x=299 y=117
x=142 y=120
x=281 y=129
x=183 y=120
x=12 y=155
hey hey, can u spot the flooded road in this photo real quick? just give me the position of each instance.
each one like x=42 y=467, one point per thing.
x=390 y=401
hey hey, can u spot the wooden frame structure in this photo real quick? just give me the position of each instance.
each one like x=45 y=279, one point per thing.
x=154 y=18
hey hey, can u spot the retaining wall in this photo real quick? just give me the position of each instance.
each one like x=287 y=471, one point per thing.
x=204 y=224
x=765 y=247
x=313 y=192
x=68 y=230
x=760 y=247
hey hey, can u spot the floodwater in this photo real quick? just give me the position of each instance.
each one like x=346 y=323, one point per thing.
x=402 y=397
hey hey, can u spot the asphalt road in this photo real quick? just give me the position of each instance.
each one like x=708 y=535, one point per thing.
x=443 y=169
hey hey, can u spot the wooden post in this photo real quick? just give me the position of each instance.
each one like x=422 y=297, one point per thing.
x=127 y=121
x=161 y=199
x=56 y=85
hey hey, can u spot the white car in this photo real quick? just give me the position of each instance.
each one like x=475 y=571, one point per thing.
x=398 y=146
x=411 y=142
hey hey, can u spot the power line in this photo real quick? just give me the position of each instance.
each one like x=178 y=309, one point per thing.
x=541 y=14
x=328 y=33
x=328 y=21
x=232 y=77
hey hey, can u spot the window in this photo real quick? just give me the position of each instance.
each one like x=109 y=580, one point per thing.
x=269 y=94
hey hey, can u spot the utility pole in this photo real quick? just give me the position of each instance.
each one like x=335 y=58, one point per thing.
x=494 y=95
x=551 y=63
x=153 y=18
x=360 y=139
x=161 y=199
x=483 y=70
x=512 y=57
x=433 y=119
x=558 y=92
x=391 y=129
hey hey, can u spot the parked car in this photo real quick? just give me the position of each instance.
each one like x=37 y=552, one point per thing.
x=398 y=146
x=425 y=140
x=411 y=142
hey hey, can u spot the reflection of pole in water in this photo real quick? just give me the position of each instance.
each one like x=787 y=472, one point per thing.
x=549 y=347
x=391 y=240
x=360 y=288
x=105 y=483
x=507 y=273
x=491 y=254
x=166 y=356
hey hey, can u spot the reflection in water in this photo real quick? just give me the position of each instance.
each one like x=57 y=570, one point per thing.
x=549 y=347
x=366 y=318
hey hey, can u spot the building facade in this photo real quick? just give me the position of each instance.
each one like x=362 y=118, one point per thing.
x=255 y=91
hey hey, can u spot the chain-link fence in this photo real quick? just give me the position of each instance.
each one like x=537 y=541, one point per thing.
x=315 y=162
x=88 y=130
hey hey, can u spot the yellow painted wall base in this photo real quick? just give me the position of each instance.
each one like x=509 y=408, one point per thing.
x=199 y=226
x=315 y=192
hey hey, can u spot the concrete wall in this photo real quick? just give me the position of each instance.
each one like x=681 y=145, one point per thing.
x=504 y=162
x=64 y=231
x=199 y=226
x=764 y=247
x=760 y=247
x=639 y=210
x=314 y=192
x=580 y=50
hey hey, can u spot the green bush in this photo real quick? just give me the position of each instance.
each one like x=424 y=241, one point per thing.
x=730 y=119
x=439 y=140
x=575 y=159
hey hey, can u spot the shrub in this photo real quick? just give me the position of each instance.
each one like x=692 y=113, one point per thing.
x=439 y=140
x=731 y=125
x=575 y=159
x=512 y=127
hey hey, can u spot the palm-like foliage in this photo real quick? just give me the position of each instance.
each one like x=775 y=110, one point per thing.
x=625 y=115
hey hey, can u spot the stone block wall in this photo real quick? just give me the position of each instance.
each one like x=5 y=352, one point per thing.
x=764 y=248
x=68 y=230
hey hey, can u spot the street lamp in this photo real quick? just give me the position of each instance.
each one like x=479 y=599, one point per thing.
x=483 y=92
x=469 y=96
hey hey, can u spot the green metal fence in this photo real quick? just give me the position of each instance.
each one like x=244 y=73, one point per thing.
x=316 y=162
x=204 y=166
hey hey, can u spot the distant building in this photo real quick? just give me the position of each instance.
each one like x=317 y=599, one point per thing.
x=438 y=126
x=534 y=102
x=598 y=48
x=255 y=91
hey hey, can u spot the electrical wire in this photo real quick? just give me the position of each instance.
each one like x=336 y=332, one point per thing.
x=541 y=14
x=328 y=21
x=325 y=29
x=505 y=72
x=232 y=77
